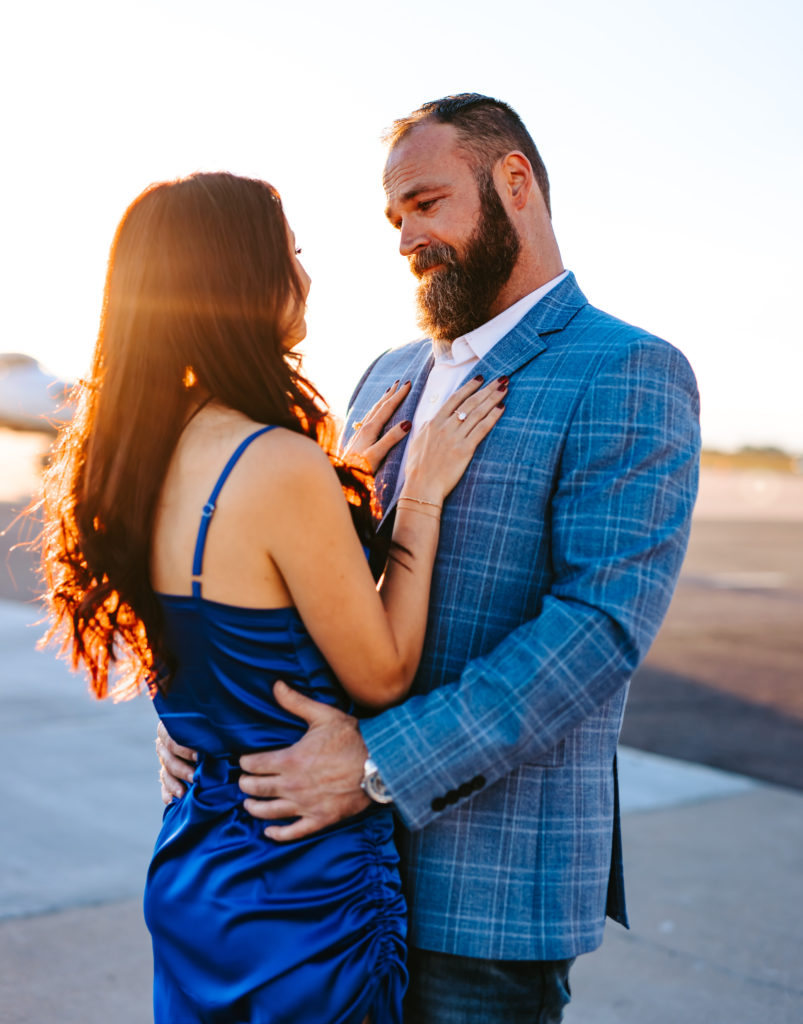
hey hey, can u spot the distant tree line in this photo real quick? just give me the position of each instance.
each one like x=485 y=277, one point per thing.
x=749 y=456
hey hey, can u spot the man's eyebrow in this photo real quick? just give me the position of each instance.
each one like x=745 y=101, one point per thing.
x=407 y=197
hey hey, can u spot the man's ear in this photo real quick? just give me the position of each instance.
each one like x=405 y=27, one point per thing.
x=517 y=178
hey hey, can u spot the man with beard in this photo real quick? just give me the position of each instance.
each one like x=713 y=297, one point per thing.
x=559 y=552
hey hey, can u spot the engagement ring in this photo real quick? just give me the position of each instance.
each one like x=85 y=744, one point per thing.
x=462 y=416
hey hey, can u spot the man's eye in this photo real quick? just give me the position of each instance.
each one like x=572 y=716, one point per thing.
x=426 y=204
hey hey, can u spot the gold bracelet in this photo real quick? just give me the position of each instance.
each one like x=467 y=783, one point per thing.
x=420 y=501
x=420 y=511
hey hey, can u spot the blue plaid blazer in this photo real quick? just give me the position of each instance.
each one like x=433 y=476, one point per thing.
x=559 y=552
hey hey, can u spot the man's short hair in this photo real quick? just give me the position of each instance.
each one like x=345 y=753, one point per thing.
x=487 y=130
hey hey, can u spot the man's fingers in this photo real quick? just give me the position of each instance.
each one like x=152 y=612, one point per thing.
x=178 y=767
x=269 y=810
x=259 y=783
x=296 y=830
x=259 y=766
x=170 y=787
x=175 y=749
x=312 y=711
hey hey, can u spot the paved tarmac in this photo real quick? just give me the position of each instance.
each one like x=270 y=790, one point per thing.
x=713 y=864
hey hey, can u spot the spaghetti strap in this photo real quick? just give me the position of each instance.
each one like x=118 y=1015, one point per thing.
x=209 y=509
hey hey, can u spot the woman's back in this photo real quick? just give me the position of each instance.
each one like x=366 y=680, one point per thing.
x=228 y=652
x=235 y=917
x=237 y=569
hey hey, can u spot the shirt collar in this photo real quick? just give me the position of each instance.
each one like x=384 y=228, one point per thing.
x=479 y=342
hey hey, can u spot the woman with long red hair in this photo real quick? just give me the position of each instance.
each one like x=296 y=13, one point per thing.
x=204 y=538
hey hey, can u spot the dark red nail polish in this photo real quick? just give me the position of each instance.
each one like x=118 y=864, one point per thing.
x=502 y=386
x=504 y=379
x=480 y=378
x=406 y=383
x=500 y=405
x=406 y=425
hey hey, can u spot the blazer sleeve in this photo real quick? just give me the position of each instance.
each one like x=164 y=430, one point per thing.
x=620 y=516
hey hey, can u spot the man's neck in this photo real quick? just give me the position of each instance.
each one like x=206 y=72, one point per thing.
x=527 y=276
x=538 y=262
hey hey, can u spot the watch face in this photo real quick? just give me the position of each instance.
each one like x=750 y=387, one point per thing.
x=375 y=788
x=378 y=785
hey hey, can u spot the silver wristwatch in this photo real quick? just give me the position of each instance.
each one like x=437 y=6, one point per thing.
x=372 y=784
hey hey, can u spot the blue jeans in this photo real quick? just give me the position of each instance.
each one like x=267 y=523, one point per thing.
x=447 y=989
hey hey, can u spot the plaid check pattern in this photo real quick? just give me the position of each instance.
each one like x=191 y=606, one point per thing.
x=560 y=549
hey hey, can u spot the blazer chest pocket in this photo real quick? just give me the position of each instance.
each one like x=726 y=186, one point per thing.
x=552 y=758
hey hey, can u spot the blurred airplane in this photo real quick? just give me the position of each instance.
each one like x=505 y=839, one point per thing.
x=30 y=398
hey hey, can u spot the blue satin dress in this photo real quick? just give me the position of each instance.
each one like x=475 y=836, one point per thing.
x=246 y=929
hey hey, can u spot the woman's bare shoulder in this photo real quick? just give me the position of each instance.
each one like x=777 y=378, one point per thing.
x=291 y=455
x=282 y=467
x=272 y=462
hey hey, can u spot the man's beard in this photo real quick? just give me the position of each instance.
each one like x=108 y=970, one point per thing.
x=458 y=296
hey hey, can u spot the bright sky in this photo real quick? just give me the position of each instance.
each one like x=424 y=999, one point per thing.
x=671 y=129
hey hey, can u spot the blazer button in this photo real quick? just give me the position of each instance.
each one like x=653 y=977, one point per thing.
x=465 y=789
x=477 y=782
x=451 y=797
x=438 y=804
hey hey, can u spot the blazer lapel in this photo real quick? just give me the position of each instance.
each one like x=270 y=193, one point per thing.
x=526 y=340
x=509 y=354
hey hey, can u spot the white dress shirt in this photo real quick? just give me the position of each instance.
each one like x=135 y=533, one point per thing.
x=452 y=367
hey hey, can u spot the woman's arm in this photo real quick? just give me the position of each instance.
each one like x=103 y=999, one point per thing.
x=373 y=643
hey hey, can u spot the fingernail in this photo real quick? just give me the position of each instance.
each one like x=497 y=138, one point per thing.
x=396 y=384
x=504 y=379
x=500 y=405
x=406 y=383
x=502 y=386
x=480 y=378
x=406 y=425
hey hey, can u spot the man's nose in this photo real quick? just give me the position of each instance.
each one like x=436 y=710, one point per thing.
x=412 y=240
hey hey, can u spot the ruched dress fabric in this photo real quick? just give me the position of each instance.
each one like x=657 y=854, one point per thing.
x=246 y=929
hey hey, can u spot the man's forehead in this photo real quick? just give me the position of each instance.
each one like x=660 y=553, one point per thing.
x=417 y=162
x=424 y=139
